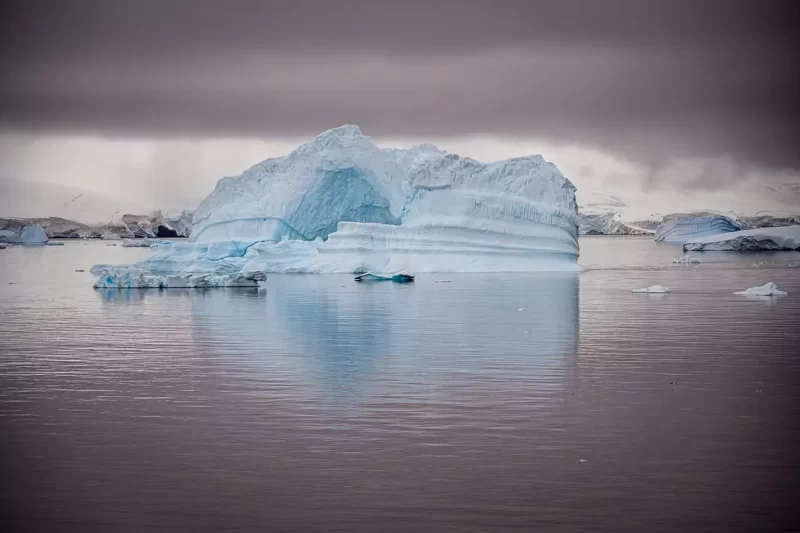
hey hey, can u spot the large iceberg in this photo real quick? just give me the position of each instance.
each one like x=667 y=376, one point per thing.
x=341 y=204
x=684 y=228
x=754 y=240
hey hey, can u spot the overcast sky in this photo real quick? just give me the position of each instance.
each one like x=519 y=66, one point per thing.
x=169 y=95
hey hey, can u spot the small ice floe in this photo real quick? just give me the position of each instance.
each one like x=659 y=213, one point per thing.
x=686 y=260
x=521 y=309
x=653 y=289
x=768 y=289
x=581 y=460
x=397 y=278
x=110 y=244
x=2 y=246
x=79 y=270
x=442 y=281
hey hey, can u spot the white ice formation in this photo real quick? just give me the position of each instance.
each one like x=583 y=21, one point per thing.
x=685 y=228
x=768 y=289
x=142 y=243
x=686 y=260
x=30 y=236
x=762 y=239
x=341 y=204
x=133 y=278
x=654 y=289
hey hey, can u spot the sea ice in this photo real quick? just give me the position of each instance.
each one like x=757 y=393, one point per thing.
x=141 y=243
x=768 y=289
x=341 y=204
x=656 y=289
x=686 y=260
x=9 y=237
x=685 y=228
x=754 y=240
x=132 y=278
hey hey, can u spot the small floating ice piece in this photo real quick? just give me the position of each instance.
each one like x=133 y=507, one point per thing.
x=521 y=309
x=656 y=289
x=397 y=278
x=686 y=260
x=768 y=289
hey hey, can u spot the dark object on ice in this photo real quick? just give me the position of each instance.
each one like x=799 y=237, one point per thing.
x=165 y=232
x=397 y=278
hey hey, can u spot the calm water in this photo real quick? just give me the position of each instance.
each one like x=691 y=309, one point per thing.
x=492 y=402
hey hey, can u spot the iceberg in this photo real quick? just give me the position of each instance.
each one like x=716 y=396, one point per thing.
x=341 y=204
x=654 y=289
x=132 y=278
x=768 y=289
x=754 y=240
x=685 y=228
x=30 y=236
x=397 y=278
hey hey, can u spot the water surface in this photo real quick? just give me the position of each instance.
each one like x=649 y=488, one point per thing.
x=459 y=403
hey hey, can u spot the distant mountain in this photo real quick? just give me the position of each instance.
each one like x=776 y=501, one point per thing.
x=32 y=199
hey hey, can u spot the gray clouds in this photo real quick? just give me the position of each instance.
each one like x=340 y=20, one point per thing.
x=650 y=81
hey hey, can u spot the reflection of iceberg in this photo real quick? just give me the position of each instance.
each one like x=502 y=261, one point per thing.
x=348 y=340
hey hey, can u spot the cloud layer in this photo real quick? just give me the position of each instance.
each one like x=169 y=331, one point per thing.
x=649 y=81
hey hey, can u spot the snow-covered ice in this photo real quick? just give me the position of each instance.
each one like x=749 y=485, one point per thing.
x=655 y=289
x=685 y=228
x=768 y=289
x=341 y=204
x=782 y=238
x=686 y=260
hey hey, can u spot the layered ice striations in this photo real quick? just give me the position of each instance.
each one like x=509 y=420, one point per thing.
x=685 y=228
x=755 y=240
x=341 y=204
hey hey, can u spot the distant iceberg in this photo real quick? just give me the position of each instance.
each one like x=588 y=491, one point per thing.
x=754 y=240
x=30 y=236
x=341 y=204
x=768 y=289
x=685 y=228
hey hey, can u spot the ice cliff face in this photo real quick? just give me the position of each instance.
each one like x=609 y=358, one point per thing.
x=686 y=228
x=341 y=204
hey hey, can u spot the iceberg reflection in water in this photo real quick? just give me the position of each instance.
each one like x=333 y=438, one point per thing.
x=345 y=338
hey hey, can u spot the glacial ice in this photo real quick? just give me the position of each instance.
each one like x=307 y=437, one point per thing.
x=656 y=289
x=754 y=240
x=341 y=204
x=142 y=243
x=768 y=289
x=133 y=278
x=685 y=228
x=30 y=236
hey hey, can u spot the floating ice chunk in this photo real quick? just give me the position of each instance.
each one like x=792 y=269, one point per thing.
x=754 y=240
x=141 y=243
x=9 y=237
x=656 y=289
x=2 y=246
x=686 y=260
x=521 y=309
x=685 y=228
x=397 y=278
x=33 y=235
x=132 y=278
x=768 y=289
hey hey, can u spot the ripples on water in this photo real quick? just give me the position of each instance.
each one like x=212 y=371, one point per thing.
x=328 y=405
